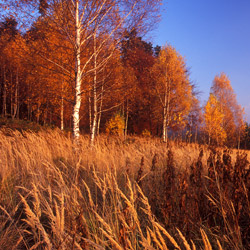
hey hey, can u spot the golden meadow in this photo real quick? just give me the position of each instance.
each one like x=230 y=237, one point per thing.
x=120 y=194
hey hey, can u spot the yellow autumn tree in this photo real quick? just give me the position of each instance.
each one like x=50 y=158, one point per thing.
x=233 y=121
x=173 y=88
x=213 y=119
x=115 y=125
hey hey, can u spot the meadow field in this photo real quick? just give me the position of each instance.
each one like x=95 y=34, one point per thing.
x=120 y=194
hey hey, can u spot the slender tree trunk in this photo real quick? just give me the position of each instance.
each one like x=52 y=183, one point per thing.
x=62 y=112
x=90 y=112
x=94 y=122
x=78 y=80
x=239 y=141
x=196 y=134
x=166 y=109
x=164 y=125
x=168 y=112
x=1 y=84
x=16 y=97
x=4 y=93
x=98 y=122
x=62 y=109
x=11 y=95
x=46 y=113
x=28 y=107
x=190 y=130
x=100 y=109
x=126 y=121
x=38 y=111
x=50 y=117
x=29 y=103
x=18 y=109
x=71 y=120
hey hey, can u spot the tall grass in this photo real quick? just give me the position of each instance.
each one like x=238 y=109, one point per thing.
x=133 y=194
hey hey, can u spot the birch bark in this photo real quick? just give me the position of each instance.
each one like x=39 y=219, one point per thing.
x=62 y=109
x=94 y=122
x=76 y=21
x=166 y=110
x=78 y=80
x=100 y=109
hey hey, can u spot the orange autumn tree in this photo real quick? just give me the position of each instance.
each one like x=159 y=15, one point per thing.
x=173 y=88
x=213 y=121
x=233 y=121
x=51 y=92
x=137 y=61
x=78 y=21
x=15 y=51
x=9 y=66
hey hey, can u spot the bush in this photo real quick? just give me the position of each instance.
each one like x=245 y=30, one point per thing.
x=146 y=133
x=115 y=125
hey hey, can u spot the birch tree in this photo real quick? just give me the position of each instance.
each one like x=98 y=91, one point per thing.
x=233 y=121
x=78 y=21
x=213 y=118
x=173 y=89
x=10 y=43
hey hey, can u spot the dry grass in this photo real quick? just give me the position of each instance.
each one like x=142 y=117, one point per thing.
x=133 y=194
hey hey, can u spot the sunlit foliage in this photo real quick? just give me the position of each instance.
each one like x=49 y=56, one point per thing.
x=213 y=117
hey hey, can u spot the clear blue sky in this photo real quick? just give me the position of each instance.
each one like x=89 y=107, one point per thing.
x=214 y=37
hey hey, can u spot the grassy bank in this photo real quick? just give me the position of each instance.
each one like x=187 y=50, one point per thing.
x=133 y=194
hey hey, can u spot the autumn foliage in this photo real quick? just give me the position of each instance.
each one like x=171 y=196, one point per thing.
x=149 y=86
x=213 y=118
x=147 y=167
x=223 y=116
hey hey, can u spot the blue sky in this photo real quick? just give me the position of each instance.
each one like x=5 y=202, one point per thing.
x=214 y=37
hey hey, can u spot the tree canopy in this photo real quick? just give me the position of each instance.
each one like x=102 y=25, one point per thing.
x=75 y=64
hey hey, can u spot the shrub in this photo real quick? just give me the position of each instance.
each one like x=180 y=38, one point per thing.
x=115 y=125
x=146 y=133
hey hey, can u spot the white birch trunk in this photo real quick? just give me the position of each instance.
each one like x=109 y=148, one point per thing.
x=166 y=109
x=100 y=111
x=62 y=110
x=78 y=80
x=164 y=125
x=94 y=123
x=99 y=122
x=90 y=112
